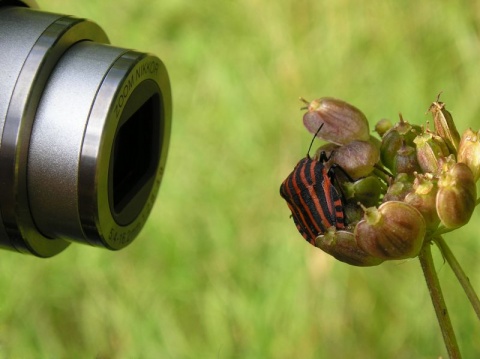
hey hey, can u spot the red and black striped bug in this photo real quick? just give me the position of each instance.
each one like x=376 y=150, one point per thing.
x=312 y=198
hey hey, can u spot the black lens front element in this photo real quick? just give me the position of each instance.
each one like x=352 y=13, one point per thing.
x=135 y=155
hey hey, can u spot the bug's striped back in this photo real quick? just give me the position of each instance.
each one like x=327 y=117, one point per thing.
x=313 y=200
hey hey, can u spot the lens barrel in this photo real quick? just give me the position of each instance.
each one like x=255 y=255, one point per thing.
x=84 y=134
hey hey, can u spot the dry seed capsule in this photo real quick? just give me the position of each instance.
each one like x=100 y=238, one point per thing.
x=430 y=148
x=395 y=230
x=469 y=151
x=402 y=132
x=343 y=122
x=444 y=125
x=405 y=161
x=342 y=246
x=456 y=196
x=423 y=198
x=357 y=158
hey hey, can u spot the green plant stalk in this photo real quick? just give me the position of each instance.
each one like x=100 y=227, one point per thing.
x=382 y=173
x=462 y=278
x=436 y=295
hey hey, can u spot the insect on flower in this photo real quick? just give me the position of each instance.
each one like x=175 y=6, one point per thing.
x=311 y=196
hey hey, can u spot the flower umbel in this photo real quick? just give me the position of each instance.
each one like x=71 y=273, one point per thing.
x=395 y=192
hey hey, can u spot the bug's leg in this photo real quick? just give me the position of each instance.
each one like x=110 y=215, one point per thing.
x=323 y=156
x=332 y=173
x=329 y=157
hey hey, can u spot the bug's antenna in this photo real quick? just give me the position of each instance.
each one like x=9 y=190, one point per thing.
x=313 y=139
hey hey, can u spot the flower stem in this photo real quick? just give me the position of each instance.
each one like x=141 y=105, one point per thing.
x=382 y=173
x=441 y=311
x=462 y=278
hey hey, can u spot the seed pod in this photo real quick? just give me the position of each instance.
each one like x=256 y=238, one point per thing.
x=406 y=129
x=383 y=126
x=423 y=198
x=366 y=190
x=402 y=133
x=357 y=158
x=391 y=143
x=430 y=148
x=469 y=151
x=342 y=246
x=395 y=230
x=405 y=161
x=343 y=122
x=444 y=125
x=399 y=188
x=456 y=196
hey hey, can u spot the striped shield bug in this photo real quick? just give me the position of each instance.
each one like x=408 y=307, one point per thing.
x=311 y=196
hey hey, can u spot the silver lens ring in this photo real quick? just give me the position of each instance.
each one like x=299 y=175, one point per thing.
x=43 y=56
x=135 y=88
x=104 y=139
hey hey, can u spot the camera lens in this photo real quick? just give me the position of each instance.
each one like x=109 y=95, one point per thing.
x=135 y=154
x=85 y=132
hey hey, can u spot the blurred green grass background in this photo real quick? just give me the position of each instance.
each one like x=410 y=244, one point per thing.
x=220 y=270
